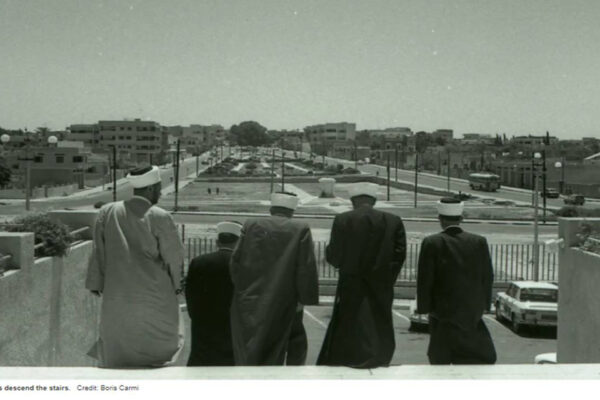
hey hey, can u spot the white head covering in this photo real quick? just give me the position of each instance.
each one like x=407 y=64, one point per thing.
x=149 y=178
x=286 y=200
x=363 y=189
x=450 y=207
x=229 y=227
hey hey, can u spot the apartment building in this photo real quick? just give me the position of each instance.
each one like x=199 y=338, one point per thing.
x=198 y=138
x=88 y=134
x=321 y=137
x=478 y=138
x=445 y=135
x=136 y=141
x=532 y=140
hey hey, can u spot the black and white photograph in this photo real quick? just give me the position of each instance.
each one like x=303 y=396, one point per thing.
x=298 y=190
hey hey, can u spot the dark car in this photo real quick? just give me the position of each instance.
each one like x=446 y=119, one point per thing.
x=575 y=199
x=550 y=193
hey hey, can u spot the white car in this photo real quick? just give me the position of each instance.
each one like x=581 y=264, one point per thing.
x=528 y=303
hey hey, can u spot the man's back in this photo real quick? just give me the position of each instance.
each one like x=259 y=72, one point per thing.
x=272 y=269
x=455 y=276
x=208 y=293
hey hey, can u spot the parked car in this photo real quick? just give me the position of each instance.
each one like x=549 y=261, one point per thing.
x=550 y=193
x=528 y=303
x=575 y=199
x=418 y=322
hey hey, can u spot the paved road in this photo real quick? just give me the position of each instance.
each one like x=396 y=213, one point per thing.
x=124 y=191
x=428 y=179
x=411 y=347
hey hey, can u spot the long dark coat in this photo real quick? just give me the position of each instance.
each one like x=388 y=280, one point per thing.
x=208 y=293
x=454 y=285
x=273 y=268
x=368 y=247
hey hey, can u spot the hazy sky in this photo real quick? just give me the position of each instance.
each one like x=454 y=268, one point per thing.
x=517 y=67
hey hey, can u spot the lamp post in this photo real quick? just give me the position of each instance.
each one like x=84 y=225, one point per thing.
x=561 y=165
x=416 y=175
x=388 y=175
x=536 y=249
x=396 y=161
x=177 y=175
x=5 y=138
x=448 y=171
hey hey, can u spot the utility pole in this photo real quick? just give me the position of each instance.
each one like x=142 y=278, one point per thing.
x=197 y=163
x=448 y=171
x=282 y=173
x=546 y=143
x=114 y=151
x=416 y=175
x=396 y=160
x=388 y=175
x=273 y=171
x=355 y=156
x=177 y=176
x=536 y=247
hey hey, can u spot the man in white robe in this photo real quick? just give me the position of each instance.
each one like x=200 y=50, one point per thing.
x=136 y=269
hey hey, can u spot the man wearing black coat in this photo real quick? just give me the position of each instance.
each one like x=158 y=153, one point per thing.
x=368 y=247
x=454 y=286
x=208 y=293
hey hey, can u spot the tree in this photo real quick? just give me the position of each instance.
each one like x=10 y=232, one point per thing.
x=249 y=133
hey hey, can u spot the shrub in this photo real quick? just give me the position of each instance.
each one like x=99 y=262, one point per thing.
x=54 y=235
x=567 y=211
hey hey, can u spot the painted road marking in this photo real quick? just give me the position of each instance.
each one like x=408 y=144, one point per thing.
x=401 y=316
x=317 y=320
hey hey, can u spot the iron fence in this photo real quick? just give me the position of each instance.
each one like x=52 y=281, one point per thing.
x=510 y=261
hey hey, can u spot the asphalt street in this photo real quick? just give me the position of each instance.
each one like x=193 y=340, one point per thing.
x=411 y=346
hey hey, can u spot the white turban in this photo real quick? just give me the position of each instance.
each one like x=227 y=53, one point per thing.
x=363 y=189
x=450 y=207
x=284 y=200
x=149 y=178
x=229 y=227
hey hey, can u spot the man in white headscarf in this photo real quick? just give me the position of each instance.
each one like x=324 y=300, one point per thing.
x=274 y=273
x=136 y=269
x=454 y=286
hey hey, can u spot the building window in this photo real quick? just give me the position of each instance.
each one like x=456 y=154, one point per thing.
x=60 y=158
x=128 y=137
x=38 y=159
x=77 y=159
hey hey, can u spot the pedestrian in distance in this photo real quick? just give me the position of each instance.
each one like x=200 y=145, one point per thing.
x=368 y=248
x=454 y=286
x=208 y=292
x=274 y=274
x=136 y=268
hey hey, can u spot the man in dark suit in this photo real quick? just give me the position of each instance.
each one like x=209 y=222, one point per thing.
x=208 y=293
x=454 y=286
x=368 y=247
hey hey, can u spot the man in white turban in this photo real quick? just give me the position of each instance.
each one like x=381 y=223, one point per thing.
x=368 y=247
x=454 y=286
x=274 y=273
x=136 y=269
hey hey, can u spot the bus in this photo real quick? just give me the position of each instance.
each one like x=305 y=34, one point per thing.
x=484 y=181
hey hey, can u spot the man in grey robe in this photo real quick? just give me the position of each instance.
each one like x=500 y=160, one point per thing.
x=136 y=269
x=274 y=273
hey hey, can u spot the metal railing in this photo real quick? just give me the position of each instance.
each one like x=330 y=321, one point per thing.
x=510 y=261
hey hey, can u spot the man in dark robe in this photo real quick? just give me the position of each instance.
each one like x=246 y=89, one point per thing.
x=208 y=292
x=368 y=247
x=274 y=273
x=454 y=286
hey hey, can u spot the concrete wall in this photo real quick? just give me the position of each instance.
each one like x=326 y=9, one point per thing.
x=39 y=192
x=47 y=316
x=579 y=302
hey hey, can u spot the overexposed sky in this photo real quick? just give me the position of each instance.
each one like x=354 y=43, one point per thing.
x=514 y=67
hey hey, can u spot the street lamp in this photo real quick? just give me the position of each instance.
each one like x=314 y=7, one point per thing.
x=561 y=165
x=5 y=138
x=536 y=249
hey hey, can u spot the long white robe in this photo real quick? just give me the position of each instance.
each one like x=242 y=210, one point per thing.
x=136 y=265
